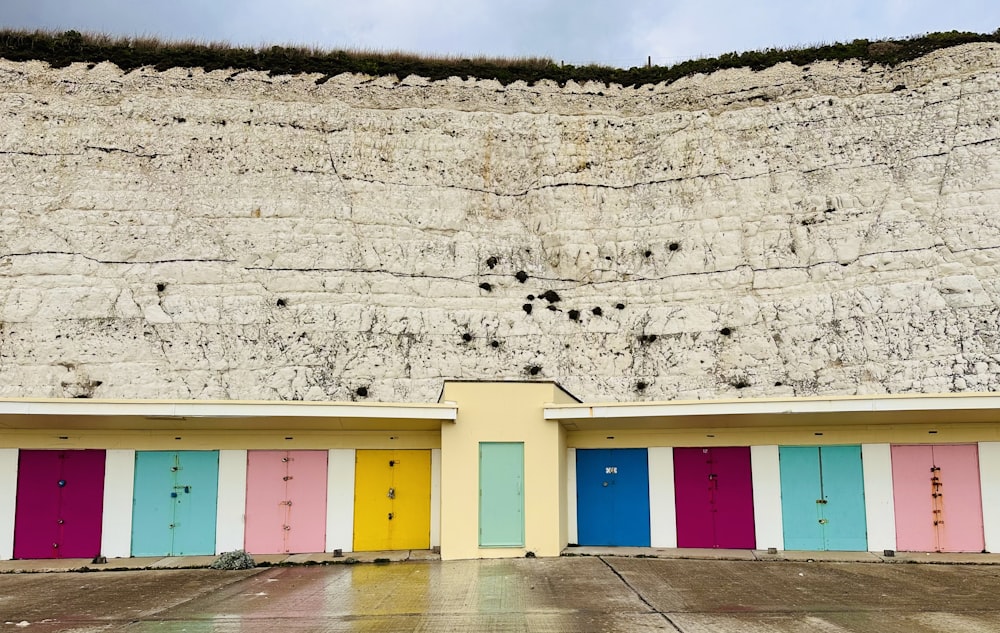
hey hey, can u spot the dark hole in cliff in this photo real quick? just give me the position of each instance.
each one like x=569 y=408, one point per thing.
x=607 y=257
x=486 y=286
x=281 y=303
x=553 y=308
x=362 y=392
x=466 y=337
x=779 y=384
x=492 y=262
x=899 y=87
x=550 y=295
x=521 y=276
x=574 y=315
x=179 y=119
x=619 y=306
x=531 y=297
x=597 y=311
x=674 y=246
x=725 y=331
x=640 y=386
x=740 y=384
x=648 y=254
x=527 y=308
x=161 y=287
x=647 y=338
x=534 y=369
x=494 y=344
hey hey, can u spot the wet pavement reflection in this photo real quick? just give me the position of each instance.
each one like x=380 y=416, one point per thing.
x=572 y=595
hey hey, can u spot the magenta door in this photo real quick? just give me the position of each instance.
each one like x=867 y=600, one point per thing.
x=938 y=505
x=714 y=497
x=286 y=501
x=60 y=499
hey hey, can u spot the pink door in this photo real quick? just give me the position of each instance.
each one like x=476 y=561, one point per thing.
x=286 y=502
x=938 y=506
x=60 y=501
x=714 y=497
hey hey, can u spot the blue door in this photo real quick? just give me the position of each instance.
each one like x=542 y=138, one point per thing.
x=174 y=507
x=612 y=490
x=823 y=498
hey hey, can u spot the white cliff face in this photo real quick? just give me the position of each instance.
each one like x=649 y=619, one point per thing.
x=825 y=230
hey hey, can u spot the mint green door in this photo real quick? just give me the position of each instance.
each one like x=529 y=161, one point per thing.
x=501 y=494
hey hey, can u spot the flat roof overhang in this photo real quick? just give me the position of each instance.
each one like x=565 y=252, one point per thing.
x=57 y=413
x=959 y=408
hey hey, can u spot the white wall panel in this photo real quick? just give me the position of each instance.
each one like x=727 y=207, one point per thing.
x=879 y=509
x=662 y=497
x=8 y=500
x=230 y=523
x=989 y=482
x=119 y=486
x=766 y=475
x=340 y=500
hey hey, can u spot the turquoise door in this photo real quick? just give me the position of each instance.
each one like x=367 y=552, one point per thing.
x=501 y=494
x=823 y=498
x=174 y=504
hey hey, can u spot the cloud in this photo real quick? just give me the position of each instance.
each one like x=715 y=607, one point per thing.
x=574 y=31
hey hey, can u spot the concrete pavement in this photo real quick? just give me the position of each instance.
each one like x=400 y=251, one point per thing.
x=273 y=560
x=573 y=594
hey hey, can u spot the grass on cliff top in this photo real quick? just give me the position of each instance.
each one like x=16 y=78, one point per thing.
x=62 y=49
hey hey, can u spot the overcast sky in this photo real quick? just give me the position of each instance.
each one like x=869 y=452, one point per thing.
x=617 y=33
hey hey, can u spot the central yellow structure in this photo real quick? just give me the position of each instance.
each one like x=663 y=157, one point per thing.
x=503 y=412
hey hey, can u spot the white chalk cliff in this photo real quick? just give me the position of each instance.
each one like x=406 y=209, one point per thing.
x=833 y=229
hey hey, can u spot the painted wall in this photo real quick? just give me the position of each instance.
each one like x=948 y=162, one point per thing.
x=503 y=412
x=230 y=510
x=512 y=412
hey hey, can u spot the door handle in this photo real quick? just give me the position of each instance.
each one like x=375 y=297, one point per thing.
x=392 y=493
x=823 y=501
x=823 y=521
x=390 y=516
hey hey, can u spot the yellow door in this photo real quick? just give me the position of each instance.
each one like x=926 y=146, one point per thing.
x=392 y=500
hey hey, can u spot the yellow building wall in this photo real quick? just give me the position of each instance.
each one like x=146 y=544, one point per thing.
x=198 y=439
x=503 y=412
x=942 y=433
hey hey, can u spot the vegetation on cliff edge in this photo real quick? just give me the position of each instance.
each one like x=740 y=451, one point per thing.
x=62 y=49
